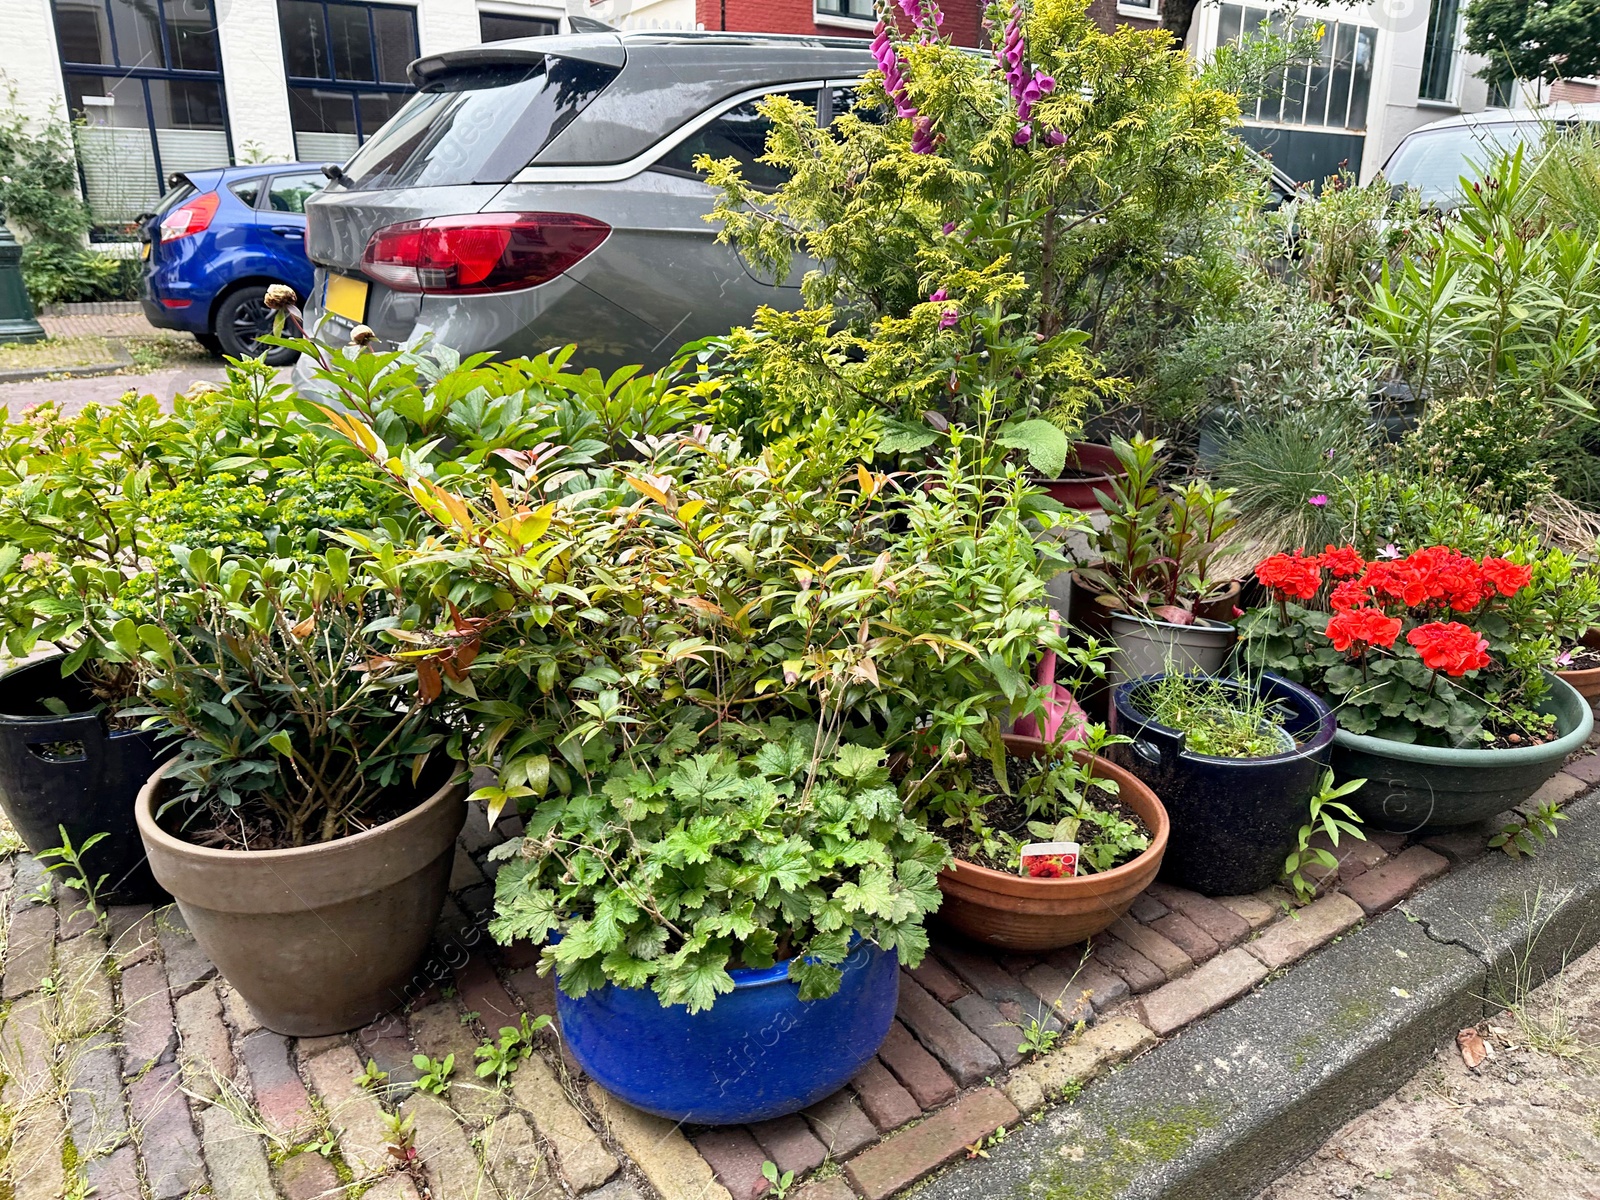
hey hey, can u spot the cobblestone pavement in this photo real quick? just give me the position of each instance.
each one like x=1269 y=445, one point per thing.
x=98 y=325
x=129 y=1063
x=73 y=394
x=1525 y=1123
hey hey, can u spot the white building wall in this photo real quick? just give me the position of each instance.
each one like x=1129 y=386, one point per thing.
x=253 y=78
x=31 y=62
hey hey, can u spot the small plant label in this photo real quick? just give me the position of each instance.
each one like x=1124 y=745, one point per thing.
x=1050 y=860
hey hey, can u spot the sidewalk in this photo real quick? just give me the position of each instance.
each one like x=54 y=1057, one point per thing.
x=1524 y=1123
x=121 y=1042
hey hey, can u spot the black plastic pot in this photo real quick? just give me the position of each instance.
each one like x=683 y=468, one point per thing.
x=1234 y=820
x=71 y=772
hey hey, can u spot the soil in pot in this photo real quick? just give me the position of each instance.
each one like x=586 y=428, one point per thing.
x=72 y=772
x=316 y=939
x=1411 y=787
x=1005 y=909
x=1234 y=819
x=1009 y=814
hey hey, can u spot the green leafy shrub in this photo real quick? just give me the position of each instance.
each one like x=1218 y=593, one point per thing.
x=969 y=249
x=674 y=870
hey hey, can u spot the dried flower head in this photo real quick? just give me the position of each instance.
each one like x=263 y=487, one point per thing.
x=280 y=295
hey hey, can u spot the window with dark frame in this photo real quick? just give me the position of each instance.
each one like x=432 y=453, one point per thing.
x=502 y=27
x=346 y=63
x=1332 y=91
x=857 y=10
x=1439 y=52
x=144 y=84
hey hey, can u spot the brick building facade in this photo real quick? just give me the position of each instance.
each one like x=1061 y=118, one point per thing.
x=963 y=18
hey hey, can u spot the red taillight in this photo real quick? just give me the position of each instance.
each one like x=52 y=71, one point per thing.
x=176 y=303
x=189 y=219
x=481 y=252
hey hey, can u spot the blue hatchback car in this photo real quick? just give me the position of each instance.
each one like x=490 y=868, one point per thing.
x=216 y=242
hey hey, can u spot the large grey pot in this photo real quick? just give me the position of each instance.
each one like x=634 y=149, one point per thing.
x=1150 y=647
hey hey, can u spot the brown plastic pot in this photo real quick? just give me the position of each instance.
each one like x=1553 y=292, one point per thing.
x=1095 y=467
x=1014 y=912
x=316 y=939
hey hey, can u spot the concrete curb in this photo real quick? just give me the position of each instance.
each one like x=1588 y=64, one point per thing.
x=1226 y=1107
x=121 y=362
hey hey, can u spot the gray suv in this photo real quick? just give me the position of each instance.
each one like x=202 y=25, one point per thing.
x=542 y=191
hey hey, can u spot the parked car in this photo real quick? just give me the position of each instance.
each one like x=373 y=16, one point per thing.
x=216 y=242
x=542 y=191
x=1435 y=158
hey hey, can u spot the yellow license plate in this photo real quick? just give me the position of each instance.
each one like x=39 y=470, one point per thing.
x=347 y=298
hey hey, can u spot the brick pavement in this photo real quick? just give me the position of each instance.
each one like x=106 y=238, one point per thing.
x=128 y=1061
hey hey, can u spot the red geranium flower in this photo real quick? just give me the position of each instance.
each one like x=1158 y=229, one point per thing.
x=1342 y=562
x=1507 y=577
x=1449 y=646
x=1366 y=625
x=1292 y=575
x=1348 y=595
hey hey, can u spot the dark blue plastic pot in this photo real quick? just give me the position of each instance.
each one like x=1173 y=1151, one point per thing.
x=758 y=1052
x=1234 y=820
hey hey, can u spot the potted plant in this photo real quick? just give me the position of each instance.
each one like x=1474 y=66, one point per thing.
x=1027 y=791
x=307 y=826
x=1565 y=592
x=700 y=904
x=1434 y=663
x=1153 y=586
x=1235 y=762
x=696 y=670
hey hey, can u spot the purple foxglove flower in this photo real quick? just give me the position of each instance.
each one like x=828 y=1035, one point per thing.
x=951 y=317
x=1047 y=83
x=1057 y=138
x=949 y=227
x=1022 y=137
x=941 y=294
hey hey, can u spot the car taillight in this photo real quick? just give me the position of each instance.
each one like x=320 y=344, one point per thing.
x=189 y=219
x=481 y=252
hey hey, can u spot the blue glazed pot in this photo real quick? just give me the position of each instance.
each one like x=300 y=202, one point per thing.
x=758 y=1052
x=1234 y=820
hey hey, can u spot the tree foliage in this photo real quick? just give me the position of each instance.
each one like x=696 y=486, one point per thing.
x=1535 y=39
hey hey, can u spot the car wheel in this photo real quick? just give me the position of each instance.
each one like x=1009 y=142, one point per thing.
x=242 y=319
x=210 y=343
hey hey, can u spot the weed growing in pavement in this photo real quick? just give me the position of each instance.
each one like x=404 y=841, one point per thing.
x=69 y=865
x=1546 y=1025
x=502 y=1058
x=400 y=1137
x=1327 y=816
x=780 y=1183
x=372 y=1078
x=436 y=1073
x=1038 y=1038
x=1526 y=834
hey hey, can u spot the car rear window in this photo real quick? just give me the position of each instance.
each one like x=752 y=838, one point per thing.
x=1433 y=161
x=479 y=126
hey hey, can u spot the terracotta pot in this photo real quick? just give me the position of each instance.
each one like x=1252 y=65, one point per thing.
x=1017 y=913
x=1097 y=467
x=1220 y=608
x=1585 y=683
x=316 y=939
